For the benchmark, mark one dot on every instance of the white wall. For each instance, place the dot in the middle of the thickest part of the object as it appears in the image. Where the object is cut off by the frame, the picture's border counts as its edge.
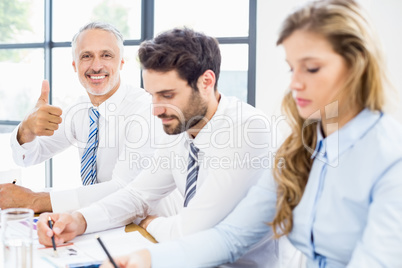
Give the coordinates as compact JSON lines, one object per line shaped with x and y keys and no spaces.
{"x":272,"y":71}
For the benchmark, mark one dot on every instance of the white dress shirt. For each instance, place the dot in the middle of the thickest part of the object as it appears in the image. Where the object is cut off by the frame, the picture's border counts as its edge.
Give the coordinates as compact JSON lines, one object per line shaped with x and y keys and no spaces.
{"x":127,"y":130}
{"x":234,"y":154}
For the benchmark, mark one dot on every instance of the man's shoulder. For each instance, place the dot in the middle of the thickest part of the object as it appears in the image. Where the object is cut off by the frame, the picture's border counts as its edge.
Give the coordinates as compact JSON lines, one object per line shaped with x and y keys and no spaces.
{"x":135,"y":94}
{"x":135,"y":98}
{"x":240,"y":111}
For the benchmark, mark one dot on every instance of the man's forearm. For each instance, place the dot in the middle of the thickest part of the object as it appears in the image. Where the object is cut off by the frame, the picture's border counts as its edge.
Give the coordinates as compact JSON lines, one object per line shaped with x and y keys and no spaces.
{"x":15,"y":196}
{"x":41,"y":202}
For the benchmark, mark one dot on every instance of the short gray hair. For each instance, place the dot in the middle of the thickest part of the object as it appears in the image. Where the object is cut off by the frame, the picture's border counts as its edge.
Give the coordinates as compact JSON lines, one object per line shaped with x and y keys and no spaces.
{"x":100,"y":26}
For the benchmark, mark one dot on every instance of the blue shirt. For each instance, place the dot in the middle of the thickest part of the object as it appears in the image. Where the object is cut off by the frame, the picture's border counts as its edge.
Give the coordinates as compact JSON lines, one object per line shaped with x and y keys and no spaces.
{"x":350,"y":213}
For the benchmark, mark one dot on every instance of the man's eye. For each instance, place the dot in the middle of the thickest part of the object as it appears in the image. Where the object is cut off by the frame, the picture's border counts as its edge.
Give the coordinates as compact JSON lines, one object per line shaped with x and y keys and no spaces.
{"x":168,"y":96}
{"x":84,"y":56}
{"x":313,"y":70}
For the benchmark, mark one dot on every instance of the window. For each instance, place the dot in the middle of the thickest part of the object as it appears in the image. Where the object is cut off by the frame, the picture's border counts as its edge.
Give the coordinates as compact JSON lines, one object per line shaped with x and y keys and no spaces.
{"x":35,"y":43}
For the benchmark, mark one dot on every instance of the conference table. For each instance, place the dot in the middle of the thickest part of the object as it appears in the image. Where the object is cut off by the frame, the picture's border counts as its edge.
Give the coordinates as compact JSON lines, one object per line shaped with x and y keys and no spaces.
{"x":85,"y":250}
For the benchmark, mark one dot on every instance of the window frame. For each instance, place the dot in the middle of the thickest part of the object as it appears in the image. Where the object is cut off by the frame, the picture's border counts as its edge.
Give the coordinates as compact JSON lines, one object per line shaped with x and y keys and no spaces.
{"x":147,"y":32}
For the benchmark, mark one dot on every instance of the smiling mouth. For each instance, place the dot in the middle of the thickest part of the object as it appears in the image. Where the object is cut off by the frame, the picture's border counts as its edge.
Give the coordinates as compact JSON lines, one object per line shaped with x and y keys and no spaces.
{"x":96,"y":77}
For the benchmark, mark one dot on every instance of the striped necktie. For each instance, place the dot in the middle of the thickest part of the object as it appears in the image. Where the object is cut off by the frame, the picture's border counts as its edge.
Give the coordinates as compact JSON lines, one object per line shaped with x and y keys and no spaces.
{"x":192,"y":174}
{"x":88,"y":160}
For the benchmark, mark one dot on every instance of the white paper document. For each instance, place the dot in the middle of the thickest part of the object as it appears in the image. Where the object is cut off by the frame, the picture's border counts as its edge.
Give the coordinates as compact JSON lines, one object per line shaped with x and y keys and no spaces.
{"x":85,"y":251}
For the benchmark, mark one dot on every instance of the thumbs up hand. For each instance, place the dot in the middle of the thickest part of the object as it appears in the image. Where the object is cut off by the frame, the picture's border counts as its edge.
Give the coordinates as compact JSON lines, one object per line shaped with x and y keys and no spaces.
{"x":42,"y":121}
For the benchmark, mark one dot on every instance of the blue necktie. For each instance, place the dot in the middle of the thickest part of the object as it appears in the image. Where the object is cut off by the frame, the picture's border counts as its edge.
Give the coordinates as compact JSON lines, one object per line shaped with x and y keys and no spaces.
{"x":192,"y":175}
{"x":88,"y":160}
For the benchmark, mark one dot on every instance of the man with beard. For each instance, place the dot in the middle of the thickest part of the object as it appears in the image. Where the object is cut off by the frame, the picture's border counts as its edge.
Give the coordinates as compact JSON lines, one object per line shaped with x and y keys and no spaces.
{"x":220,"y":150}
{"x":120,"y":112}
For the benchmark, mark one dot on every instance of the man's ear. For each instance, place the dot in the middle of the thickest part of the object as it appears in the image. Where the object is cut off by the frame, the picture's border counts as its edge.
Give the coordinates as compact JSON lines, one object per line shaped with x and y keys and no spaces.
{"x":207,"y":81}
{"x":74,"y":67}
{"x":121,"y":63}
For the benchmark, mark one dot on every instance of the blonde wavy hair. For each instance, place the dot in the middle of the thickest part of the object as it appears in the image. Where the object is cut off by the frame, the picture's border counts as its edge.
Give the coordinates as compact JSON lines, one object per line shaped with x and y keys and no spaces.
{"x":346,"y":27}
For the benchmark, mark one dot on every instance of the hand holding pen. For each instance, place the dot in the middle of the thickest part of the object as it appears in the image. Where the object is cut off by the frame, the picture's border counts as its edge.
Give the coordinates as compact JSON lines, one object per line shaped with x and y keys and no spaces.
{"x":66,"y":226}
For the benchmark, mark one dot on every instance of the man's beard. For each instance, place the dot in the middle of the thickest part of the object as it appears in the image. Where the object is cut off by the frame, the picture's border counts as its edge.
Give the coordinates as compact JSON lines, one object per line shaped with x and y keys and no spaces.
{"x":194,"y":112}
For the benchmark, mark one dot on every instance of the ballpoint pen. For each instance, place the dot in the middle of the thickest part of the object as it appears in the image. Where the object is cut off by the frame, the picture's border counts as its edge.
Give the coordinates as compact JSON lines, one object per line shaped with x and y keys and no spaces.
{"x":53,"y":242}
{"x":107,"y":252}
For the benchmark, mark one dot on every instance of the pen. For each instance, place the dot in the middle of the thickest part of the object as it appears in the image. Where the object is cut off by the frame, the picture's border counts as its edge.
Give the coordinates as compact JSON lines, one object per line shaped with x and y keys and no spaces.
{"x":14,"y":181}
{"x":54,"y":244}
{"x":107,"y":252}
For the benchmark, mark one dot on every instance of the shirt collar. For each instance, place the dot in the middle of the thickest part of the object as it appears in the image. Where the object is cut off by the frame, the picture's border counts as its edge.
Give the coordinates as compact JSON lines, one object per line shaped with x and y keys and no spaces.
{"x":320,"y":148}
{"x":112,"y":105}
{"x":338,"y":142}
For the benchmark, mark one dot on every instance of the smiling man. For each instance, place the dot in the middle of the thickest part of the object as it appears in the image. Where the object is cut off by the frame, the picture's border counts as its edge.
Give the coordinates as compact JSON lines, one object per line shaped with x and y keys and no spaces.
{"x":98,"y":67}
{"x":220,"y":151}
{"x":108,"y":125}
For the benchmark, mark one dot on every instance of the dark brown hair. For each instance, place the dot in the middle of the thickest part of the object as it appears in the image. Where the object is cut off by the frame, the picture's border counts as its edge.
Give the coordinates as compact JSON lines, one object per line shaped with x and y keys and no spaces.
{"x":188,"y":52}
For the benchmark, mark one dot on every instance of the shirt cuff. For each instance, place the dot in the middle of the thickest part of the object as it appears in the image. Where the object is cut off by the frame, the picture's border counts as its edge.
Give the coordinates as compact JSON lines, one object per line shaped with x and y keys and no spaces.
{"x":153,"y":225}
{"x":165,"y":228}
{"x":95,"y":217}
{"x":64,"y":201}
{"x":29,"y":145}
{"x":18,"y":150}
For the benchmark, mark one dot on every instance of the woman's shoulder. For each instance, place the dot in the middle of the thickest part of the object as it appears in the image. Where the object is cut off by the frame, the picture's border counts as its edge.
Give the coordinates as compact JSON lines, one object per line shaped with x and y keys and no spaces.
{"x":386,"y":138}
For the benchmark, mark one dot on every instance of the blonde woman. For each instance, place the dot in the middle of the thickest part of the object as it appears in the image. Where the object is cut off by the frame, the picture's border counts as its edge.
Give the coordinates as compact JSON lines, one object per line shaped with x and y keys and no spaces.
{"x":339,"y":185}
